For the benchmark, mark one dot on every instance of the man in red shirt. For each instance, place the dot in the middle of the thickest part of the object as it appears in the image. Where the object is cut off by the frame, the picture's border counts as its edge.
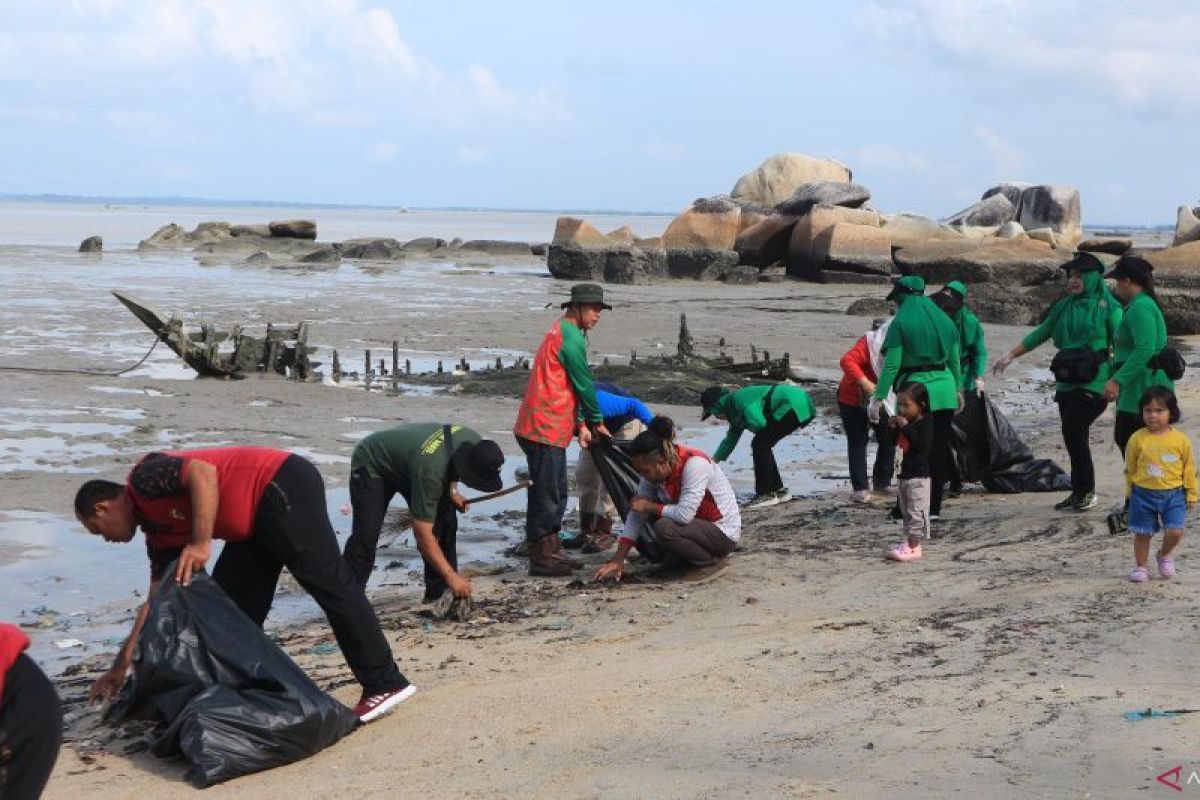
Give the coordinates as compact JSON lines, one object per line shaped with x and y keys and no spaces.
{"x":30,"y":719}
{"x":269,"y":507}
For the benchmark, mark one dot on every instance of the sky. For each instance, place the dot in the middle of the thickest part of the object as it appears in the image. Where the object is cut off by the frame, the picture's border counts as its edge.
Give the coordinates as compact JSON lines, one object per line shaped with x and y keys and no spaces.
{"x":625,"y":106}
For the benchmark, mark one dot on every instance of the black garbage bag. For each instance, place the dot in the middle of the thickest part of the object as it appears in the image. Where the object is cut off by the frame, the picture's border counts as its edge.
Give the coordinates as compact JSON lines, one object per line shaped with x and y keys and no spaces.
{"x":232,"y":702}
{"x":987,"y":450}
{"x":620,"y":479}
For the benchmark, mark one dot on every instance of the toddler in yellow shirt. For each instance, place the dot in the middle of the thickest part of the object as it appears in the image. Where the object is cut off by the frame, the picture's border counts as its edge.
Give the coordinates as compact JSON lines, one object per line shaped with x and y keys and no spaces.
{"x":1160,"y":481}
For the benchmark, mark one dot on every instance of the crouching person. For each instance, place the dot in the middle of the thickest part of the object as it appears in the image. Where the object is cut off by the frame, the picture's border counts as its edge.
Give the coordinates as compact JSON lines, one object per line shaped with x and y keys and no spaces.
{"x":269,"y":508}
{"x":685,"y":513}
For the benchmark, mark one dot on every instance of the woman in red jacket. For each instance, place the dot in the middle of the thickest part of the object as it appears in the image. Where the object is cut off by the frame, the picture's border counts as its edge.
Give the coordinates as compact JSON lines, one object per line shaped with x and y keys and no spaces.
{"x":30,"y":719}
{"x":859,"y":373}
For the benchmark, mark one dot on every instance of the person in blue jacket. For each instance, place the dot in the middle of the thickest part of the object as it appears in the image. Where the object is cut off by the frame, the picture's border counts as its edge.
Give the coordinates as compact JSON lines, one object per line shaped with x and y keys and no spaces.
{"x":625,"y":417}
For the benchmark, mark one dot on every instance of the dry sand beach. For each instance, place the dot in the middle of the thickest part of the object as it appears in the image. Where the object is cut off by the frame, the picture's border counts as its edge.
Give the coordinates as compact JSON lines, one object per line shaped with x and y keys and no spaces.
{"x":998,"y":666}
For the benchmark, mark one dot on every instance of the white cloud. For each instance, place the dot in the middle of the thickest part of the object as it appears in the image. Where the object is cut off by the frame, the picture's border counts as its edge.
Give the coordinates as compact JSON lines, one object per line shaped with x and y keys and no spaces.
{"x":472,"y":154}
{"x":302,"y":59}
{"x":1007,"y":160}
{"x":1140,"y":56}
{"x":888,"y":157}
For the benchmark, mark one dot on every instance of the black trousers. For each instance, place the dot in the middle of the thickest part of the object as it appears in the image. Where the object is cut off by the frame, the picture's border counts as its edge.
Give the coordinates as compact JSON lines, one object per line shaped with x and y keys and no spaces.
{"x":546,"y":499}
{"x":766,"y":471}
{"x":369,"y":499}
{"x":1077,"y":410}
{"x":939,"y":465}
{"x":1127,"y":424}
{"x":31,"y":723}
{"x":858,"y":429}
{"x":292,"y":530}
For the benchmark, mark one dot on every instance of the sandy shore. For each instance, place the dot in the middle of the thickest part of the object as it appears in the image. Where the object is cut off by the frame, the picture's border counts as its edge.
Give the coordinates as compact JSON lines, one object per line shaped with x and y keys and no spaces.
{"x":1000,"y":665}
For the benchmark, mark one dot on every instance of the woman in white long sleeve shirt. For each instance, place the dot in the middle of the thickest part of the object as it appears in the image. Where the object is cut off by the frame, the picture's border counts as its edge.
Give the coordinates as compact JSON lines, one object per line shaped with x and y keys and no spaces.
{"x":685,"y":511}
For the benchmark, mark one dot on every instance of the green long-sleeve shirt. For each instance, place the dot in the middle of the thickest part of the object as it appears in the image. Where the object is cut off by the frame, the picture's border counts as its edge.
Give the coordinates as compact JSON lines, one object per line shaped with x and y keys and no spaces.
{"x":744,"y":411}
{"x":922,"y":334}
{"x":1141,"y":334}
{"x":1089,"y":320}
{"x":971,"y":347}
{"x":573,"y":356}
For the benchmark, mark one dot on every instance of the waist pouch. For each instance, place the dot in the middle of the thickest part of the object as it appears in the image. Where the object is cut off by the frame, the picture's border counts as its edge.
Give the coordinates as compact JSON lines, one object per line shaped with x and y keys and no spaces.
{"x":1170,"y":361}
{"x":1076,"y":365}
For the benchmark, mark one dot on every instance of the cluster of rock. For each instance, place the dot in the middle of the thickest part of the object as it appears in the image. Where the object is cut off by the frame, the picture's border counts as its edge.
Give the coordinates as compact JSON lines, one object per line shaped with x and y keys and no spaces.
{"x":805,"y":217}
{"x":295,"y":241}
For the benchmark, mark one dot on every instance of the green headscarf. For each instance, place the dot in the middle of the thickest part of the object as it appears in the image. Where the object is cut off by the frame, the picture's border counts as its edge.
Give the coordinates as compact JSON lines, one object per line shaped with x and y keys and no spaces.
{"x":1082,"y":315}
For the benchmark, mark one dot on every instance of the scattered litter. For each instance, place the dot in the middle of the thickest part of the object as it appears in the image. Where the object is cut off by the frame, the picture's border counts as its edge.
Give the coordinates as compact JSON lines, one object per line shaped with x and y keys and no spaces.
{"x":67,"y":644}
{"x":1134,"y":716}
{"x":324,"y":649}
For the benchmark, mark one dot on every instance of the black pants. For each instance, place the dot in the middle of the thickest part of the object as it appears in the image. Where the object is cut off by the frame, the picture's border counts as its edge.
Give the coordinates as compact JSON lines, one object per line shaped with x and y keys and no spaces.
{"x":939,"y":465}
{"x":546,"y":499}
{"x":292,"y":530}
{"x":30,"y":731}
{"x":369,"y":499}
{"x":1127,"y":424}
{"x":766,"y":471}
{"x":1078,"y":409}
{"x":858,"y":429}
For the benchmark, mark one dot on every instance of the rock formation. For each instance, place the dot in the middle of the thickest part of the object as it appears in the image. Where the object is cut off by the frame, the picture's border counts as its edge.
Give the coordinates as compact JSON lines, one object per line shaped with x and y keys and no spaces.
{"x":777,"y":178}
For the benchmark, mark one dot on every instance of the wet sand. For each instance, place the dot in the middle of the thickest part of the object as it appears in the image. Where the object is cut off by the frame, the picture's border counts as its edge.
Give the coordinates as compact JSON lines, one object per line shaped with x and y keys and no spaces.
{"x":999,"y":665}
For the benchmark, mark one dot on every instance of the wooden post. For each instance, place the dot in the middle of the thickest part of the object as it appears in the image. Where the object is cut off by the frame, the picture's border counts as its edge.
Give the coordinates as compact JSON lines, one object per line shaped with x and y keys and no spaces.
{"x":337,"y":368}
{"x":753,"y":354}
{"x":382,"y":369}
{"x":440,"y":370}
{"x":408,"y":366}
{"x":367,"y":367}
{"x":395,"y":358}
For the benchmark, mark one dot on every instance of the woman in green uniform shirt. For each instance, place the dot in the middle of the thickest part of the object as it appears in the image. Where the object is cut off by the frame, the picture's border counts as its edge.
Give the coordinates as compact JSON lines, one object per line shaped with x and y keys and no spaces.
{"x":1084,"y":321}
{"x":771,"y":412}
{"x":1140,"y":337}
{"x":922,"y":346}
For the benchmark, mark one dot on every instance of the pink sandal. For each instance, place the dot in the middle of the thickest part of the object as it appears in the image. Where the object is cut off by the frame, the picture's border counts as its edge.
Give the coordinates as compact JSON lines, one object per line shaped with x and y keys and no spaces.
{"x":1166,"y":567}
{"x":902,"y":552}
{"x":1139,"y":575}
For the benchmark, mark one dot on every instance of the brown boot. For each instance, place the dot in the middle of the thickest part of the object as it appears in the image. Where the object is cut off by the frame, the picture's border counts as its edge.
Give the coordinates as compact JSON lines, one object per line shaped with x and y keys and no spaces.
{"x":557,"y":552}
{"x":587,"y":523}
{"x":602,"y":537}
{"x":542,"y":561}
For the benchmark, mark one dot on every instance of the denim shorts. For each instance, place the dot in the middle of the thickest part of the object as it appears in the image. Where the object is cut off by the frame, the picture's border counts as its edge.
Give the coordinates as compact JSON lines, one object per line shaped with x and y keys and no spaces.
{"x":1150,"y":509}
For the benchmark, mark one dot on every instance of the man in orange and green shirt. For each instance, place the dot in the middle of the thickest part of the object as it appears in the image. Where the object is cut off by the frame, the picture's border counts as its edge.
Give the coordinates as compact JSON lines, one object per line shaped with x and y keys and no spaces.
{"x":559,"y":402}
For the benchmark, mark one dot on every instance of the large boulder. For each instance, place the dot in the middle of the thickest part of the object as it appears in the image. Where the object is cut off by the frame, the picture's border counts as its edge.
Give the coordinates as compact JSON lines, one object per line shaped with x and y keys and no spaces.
{"x":498,"y":247}
{"x":1187,"y":226}
{"x":207,"y":232}
{"x":1177,"y":267}
{"x":169,"y":235}
{"x":1012,"y":191}
{"x":372,"y":249}
{"x":92,"y":244}
{"x":1181,"y":312}
{"x":622,"y":235}
{"x":742,"y":275}
{"x":326,"y":255}
{"x":1113,"y":245}
{"x":766,"y":241}
{"x":634,"y":265}
{"x":1010,"y":230}
{"x":829,"y":193}
{"x":700,"y":264}
{"x":1008,"y":262}
{"x":250,"y":230}
{"x":993,"y":210}
{"x":572,"y":230}
{"x":294,"y":229}
{"x":698,"y":228}
{"x":423,"y":244}
{"x":803,"y":261}
{"x":777,"y":178}
{"x":1054,"y":207}
{"x":847,"y":247}
{"x":576,"y":263}
{"x":906,"y":228}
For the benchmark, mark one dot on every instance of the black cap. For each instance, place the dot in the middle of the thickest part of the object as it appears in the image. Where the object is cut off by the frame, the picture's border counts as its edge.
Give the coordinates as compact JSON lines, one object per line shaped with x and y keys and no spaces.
{"x":1084,"y":262}
{"x":478,"y":465}
{"x":709,"y":398}
{"x":584,"y":293}
{"x":1136,"y":268}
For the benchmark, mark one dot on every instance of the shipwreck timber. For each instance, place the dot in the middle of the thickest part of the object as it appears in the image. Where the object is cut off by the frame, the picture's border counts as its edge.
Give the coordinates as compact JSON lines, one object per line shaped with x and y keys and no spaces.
{"x":283,"y":350}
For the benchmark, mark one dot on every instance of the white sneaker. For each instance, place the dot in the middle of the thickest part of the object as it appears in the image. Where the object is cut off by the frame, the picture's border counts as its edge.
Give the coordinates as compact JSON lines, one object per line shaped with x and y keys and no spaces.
{"x":861,"y":496}
{"x":766,"y":500}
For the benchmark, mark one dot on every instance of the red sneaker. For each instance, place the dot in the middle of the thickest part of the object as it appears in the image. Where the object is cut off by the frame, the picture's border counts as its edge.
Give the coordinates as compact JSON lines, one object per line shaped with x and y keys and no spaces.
{"x":377,"y":705}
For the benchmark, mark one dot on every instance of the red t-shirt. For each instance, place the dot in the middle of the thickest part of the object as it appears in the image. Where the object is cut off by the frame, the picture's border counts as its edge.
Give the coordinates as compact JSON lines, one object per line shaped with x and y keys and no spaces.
{"x":13,"y":642}
{"x":162,"y":506}
{"x":855,"y":364}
